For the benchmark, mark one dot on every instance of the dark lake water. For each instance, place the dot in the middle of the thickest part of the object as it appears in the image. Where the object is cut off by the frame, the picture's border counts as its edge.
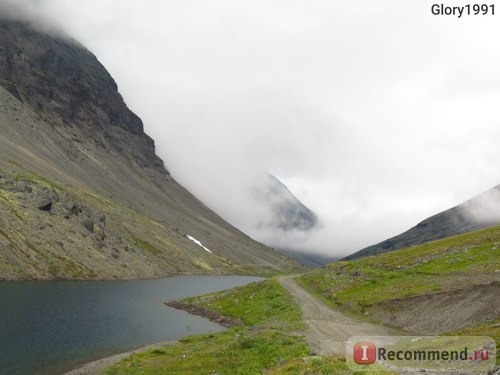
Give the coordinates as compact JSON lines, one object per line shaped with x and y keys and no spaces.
{"x":49,"y":327}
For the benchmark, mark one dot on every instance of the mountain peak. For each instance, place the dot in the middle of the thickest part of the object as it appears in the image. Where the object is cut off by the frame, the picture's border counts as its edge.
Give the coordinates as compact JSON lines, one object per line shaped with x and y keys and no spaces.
{"x":288,"y":213}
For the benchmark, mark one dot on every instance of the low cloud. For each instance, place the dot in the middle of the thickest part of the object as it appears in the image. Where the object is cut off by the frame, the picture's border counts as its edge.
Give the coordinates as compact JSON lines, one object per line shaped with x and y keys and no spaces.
{"x":33,"y":12}
{"x":484,"y":208}
{"x":374,"y":114}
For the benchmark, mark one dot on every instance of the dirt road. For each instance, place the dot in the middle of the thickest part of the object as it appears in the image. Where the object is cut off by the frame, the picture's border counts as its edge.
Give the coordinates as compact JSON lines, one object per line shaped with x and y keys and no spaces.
{"x":328,"y":330}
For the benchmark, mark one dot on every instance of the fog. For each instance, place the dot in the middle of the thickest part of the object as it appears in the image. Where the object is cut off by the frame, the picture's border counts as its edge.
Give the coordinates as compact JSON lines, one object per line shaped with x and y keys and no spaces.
{"x":484,"y":208}
{"x":374,"y":114}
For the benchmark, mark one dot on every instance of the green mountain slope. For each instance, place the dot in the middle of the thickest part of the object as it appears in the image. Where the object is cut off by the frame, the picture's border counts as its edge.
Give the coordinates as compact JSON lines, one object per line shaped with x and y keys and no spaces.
{"x":478,"y":212}
{"x":441,"y":286}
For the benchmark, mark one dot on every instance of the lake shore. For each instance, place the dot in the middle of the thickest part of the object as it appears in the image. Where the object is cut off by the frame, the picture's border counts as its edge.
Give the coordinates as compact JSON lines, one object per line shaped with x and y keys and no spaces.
{"x":213,"y":316}
{"x":84,"y":321}
{"x":98,"y":366}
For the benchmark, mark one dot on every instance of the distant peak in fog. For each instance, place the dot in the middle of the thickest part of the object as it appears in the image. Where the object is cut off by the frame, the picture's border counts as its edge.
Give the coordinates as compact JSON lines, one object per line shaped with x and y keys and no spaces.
{"x":288,"y":213}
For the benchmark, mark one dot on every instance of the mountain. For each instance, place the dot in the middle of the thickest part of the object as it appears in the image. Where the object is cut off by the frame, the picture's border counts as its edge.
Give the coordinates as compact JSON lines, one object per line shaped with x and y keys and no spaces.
{"x":288,"y":221}
{"x":82,"y":192}
{"x":479,"y":212}
{"x":308,"y":259}
{"x":288,"y":213}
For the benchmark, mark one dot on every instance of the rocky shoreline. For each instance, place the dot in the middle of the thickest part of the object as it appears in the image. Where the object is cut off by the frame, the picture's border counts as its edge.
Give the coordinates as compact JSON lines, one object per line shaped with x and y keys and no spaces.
{"x":213,"y":316}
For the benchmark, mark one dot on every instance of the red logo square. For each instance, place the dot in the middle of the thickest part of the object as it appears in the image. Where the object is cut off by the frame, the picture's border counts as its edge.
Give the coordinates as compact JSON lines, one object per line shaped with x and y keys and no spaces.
{"x":365,"y":353}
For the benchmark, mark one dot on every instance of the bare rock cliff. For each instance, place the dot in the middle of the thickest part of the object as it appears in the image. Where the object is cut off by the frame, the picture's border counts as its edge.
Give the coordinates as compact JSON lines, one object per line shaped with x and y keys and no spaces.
{"x":67,"y":85}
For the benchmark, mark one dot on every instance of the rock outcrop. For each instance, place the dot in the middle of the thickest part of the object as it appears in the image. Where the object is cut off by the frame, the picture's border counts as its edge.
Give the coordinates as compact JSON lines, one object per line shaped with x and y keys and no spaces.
{"x":66,"y":85}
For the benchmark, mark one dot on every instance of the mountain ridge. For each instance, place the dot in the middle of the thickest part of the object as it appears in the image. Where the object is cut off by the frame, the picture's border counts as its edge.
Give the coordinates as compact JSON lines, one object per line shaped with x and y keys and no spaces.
{"x":476,"y":213}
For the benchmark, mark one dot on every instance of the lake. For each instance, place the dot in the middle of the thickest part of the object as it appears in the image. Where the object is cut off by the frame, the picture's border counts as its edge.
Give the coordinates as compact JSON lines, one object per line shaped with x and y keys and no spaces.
{"x":49,"y":327}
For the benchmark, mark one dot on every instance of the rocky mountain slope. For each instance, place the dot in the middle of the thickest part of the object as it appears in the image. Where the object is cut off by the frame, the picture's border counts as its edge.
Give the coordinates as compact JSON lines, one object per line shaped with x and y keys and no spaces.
{"x":288,"y":219}
{"x":288,"y":212}
{"x":82,"y":193}
{"x":479,"y":212}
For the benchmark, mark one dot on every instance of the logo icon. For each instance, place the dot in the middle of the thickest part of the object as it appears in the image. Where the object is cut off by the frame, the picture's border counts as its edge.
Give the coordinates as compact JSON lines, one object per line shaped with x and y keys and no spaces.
{"x":365,"y":353}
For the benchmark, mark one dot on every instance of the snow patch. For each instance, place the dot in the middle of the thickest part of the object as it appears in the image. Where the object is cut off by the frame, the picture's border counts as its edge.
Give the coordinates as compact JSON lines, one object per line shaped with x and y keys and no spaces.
{"x":197,"y":242}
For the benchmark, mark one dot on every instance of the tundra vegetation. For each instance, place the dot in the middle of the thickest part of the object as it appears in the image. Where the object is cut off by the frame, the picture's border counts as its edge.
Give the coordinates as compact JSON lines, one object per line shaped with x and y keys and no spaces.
{"x":268,"y":339}
{"x":450,"y":286}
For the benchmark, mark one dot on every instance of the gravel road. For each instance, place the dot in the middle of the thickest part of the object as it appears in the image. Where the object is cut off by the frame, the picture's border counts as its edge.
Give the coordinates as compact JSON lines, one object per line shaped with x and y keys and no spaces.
{"x":328,"y":330}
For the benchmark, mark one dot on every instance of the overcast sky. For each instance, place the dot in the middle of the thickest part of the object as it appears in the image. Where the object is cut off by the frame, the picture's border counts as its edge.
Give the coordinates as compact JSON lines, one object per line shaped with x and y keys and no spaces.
{"x":376,"y":114}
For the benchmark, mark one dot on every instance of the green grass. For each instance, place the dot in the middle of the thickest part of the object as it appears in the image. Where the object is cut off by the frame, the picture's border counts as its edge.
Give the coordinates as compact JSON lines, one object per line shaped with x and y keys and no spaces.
{"x":254,"y":304}
{"x":267,"y":342}
{"x":490,"y":329}
{"x":265,"y":338}
{"x":320,"y":365}
{"x":236,"y":351}
{"x":328,"y":365}
{"x":355,"y":285}
{"x":13,"y":204}
{"x":144,"y":245}
{"x":38,"y":179}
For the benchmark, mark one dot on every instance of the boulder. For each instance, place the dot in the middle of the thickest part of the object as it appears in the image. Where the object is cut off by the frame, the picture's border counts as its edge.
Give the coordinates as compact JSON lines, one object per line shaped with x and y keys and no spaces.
{"x":45,"y":204}
{"x":88,"y":224}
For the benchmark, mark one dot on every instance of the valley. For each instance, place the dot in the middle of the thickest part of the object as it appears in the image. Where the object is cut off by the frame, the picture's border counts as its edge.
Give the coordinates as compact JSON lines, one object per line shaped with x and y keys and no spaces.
{"x":374,"y":296}
{"x":104,"y":251}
